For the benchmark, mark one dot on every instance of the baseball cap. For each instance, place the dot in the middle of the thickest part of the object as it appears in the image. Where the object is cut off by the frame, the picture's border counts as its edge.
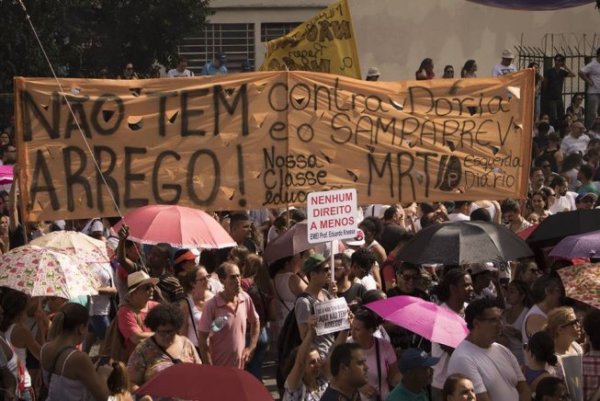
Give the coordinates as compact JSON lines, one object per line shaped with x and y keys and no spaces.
{"x":415,"y":358}
{"x":221,"y":56}
{"x":589,"y":196}
{"x":373,"y":72}
{"x":313,"y":262}
{"x":508,"y":54}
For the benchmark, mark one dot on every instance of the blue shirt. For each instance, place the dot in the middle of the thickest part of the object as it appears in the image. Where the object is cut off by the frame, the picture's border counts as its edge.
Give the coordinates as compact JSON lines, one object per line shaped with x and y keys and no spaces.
{"x":401,"y":393}
{"x":210,"y":69}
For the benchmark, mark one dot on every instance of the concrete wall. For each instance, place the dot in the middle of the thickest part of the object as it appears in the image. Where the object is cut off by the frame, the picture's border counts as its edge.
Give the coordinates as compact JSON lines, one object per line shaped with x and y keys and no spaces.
{"x":395,"y":35}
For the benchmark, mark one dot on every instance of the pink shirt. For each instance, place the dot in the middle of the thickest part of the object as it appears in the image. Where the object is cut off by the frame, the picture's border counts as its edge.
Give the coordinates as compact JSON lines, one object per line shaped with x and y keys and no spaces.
{"x":128,"y":323}
{"x":227,"y":345}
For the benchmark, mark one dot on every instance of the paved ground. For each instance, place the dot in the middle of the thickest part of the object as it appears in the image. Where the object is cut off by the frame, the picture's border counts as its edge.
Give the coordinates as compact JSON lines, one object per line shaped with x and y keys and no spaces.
{"x":269,"y":368}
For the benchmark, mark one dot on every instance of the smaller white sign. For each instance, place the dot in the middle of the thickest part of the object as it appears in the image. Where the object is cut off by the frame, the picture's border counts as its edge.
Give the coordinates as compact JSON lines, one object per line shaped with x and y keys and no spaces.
{"x":332,"y":215}
{"x":332,"y":316}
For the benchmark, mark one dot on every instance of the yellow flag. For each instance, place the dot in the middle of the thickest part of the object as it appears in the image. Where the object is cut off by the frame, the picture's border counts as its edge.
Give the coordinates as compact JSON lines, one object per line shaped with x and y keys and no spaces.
{"x":325,"y":43}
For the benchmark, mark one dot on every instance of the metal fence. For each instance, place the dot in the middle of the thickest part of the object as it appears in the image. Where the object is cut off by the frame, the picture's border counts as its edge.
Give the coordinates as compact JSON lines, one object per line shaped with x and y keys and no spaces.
{"x":578,"y":49}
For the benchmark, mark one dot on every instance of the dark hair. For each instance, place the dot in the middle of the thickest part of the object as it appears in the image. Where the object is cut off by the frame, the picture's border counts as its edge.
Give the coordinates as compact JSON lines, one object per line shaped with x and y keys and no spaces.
{"x":591,"y":325}
{"x":481,"y":214}
{"x":530,"y":65}
{"x":534,"y":169}
{"x":571,"y":161}
{"x":188,"y":280}
{"x":177,"y":266}
{"x":476,"y":308}
{"x":548,"y":386}
{"x":390,"y":212}
{"x":240,"y":254}
{"x":278,"y":265}
{"x":451,"y":278}
{"x":368,"y":318}
{"x":297,"y":215}
{"x":341,"y":355}
{"x":543,"y":194}
{"x":426,"y":208}
{"x":372,"y":296}
{"x":364,"y":258}
{"x":372,"y":224}
{"x":557,"y":181}
{"x":448,"y":66}
{"x":461,"y":203}
{"x":425,"y":63}
{"x":163,"y":314}
{"x":510,"y":205}
{"x":290,"y":360}
{"x":541,"y":346}
{"x":13,"y":303}
{"x":559,"y":56}
{"x":450,"y":384}
{"x":467,"y":67}
{"x":70,"y":316}
{"x":523,"y":289}
{"x":252,"y":266}
{"x":587,"y":171}
{"x":221,"y":272}
{"x":543,"y":127}
{"x":394,"y":234}
{"x":541,"y":285}
{"x":346,"y":261}
{"x":237,"y":218}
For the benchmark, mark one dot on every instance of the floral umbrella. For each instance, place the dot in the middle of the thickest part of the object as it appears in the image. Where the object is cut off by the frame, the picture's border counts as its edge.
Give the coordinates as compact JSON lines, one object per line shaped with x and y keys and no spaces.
{"x":582,"y":282}
{"x":40,"y":272}
{"x":82,"y":246}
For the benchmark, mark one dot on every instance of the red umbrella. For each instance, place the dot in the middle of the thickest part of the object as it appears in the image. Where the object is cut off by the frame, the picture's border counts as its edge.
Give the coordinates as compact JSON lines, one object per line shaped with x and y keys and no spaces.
{"x":427,"y":319}
{"x":204,"y":382}
{"x":182,"y":227}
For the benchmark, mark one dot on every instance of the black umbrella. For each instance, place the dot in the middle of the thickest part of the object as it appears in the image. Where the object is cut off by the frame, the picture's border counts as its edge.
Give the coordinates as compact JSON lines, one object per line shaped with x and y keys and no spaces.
{"x":560,"y":225}
{"x":464,"y":242}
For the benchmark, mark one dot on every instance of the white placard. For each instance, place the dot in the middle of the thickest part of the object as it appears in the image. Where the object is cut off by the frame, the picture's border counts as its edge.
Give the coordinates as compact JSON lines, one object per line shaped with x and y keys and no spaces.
{"x":332,"y":215}
{"x":332,"y":316}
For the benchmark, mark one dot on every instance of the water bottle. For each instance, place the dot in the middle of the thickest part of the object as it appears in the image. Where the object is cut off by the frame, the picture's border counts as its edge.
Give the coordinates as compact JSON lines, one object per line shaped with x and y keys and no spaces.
{"x":218,"y":324}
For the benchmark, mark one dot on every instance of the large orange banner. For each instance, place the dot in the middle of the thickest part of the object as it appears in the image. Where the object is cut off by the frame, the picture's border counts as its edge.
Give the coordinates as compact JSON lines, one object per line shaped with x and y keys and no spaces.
{"x":267,"y":139}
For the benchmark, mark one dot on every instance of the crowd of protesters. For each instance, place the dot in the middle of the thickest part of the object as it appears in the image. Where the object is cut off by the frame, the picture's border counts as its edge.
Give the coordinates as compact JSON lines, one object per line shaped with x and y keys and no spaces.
{"x":227,"y":307}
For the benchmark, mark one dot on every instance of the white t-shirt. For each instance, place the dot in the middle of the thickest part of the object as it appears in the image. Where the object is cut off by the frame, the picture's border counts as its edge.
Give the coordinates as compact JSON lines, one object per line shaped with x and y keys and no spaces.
{"x":369,"y":282}
{"x":174,"y":73}
{"x":440,"y":369}
{"x":563,"y":203}
{"x":570,"y":144}
{"x":593,"y":71}
{"x":500,"y":69}
{"x":492,"y":370}
{"x":458,"y":217}
{"x":103,"y":273}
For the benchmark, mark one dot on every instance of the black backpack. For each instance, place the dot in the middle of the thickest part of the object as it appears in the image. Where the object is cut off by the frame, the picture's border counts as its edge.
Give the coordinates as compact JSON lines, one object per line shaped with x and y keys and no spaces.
{"x":288,"y":339}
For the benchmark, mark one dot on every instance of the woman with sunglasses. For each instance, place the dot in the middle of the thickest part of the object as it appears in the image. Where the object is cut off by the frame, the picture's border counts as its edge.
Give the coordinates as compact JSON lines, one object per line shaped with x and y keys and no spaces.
{"x":565,"y":329}
{"x":195,"y":287}
{"x":164,"y":348}
{"x":540,"y":359}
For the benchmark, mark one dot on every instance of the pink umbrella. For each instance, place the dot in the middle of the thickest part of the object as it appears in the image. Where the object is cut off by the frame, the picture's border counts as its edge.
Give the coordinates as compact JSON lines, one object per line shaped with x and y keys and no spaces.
{"x":6,"y":174}
{"x":427,"y":319}
{"x":182,"y":227}
{"x":204,"y":382}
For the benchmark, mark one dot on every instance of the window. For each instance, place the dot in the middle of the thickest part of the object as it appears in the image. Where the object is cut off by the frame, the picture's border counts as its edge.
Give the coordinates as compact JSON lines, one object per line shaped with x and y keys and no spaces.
{"x":273,"y":30}
{"x":235,"y":40}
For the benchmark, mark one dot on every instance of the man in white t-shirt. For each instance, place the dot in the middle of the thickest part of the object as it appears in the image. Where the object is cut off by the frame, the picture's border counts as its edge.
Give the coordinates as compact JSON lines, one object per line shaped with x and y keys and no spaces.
{"x":492,"y":368}
{"x":590,"y":73}
{"x":461,"y":212}
{"x":565,"y":201}
{"x":181,"y":71}
{"x":506,"y":66}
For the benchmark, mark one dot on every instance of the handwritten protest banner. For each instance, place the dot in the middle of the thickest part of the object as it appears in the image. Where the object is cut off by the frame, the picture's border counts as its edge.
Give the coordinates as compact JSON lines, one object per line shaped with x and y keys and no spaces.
{"x":325,"y":43}
{"x":332,"y":316}
{"x":267,"y":139}
{"x":332,"y":215}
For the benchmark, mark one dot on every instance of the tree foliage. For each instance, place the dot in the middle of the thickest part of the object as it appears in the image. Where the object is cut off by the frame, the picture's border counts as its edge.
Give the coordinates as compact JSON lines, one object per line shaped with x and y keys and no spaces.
{"x":82,"y":36}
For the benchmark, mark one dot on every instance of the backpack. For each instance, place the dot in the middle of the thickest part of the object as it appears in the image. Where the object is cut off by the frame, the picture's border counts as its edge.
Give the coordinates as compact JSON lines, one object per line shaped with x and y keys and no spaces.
{"x":288,"y":339}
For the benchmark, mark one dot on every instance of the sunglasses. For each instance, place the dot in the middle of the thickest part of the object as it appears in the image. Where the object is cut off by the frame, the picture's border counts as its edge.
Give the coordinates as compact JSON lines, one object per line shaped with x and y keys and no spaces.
{"x":574,"y":322}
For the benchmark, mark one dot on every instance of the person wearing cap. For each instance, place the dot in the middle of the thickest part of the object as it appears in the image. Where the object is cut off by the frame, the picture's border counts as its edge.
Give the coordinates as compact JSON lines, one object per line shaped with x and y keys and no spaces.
{"x":494,"y":370}
{"x":505,"y":66}
{"x":184,"y":261}
{"x":169,"y":288}
{"x":181,"y":71}
{"x":552,"y":89}
{"x":318,"y":272}
{"x":217,"y":66}
{"x":226,"y":317}
{"x":482,"y":275}
{"x":372,"y":74}
{"x":415,"y":366}
{"x":586,"y":201}
{"x":133,"y":312}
